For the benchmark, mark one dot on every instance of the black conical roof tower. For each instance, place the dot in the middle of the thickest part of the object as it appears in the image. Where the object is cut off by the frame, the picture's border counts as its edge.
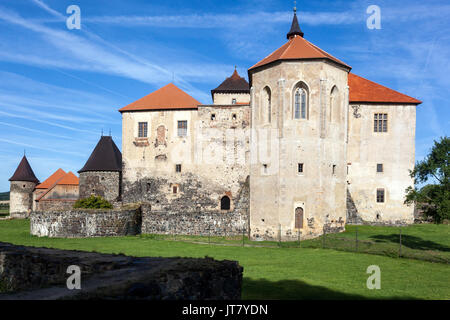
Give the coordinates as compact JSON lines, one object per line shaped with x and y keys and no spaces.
{"x":24,"y":172}
{"x":105,"y":157}
{"x":295,"y":27}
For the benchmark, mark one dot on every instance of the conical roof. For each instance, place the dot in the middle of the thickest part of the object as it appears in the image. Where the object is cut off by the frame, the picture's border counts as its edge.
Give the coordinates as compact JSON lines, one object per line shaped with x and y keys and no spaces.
{"x":105,"y":157}
{"x":233,"y":84}
{"x":295,"y":28}
{"x":24,"y":172}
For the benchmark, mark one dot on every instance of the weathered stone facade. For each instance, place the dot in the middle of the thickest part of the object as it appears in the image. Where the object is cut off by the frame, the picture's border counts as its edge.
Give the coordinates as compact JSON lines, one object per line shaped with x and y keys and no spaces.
{"x":78,"y":223}
{"x":38,"y":273}
{"x":106,"y":184}
{"x":21,"y":198}
{"x":54,"y":205}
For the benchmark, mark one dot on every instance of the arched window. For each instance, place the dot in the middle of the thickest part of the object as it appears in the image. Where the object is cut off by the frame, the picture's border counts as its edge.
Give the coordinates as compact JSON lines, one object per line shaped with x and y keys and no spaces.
{"x":334,"y":105}
{"x":301,"y":101}
{"x":298,"y":218}
{"x":267,"y":105}
{"x":225,"y":203}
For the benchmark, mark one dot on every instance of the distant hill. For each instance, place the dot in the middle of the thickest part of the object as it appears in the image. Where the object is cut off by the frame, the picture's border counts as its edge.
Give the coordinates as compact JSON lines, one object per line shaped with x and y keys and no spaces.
{"x":4,"y":196}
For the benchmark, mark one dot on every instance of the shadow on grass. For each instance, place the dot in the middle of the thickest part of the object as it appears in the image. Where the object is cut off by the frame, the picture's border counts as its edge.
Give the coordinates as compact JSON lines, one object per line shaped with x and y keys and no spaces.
{"x":262,"y":289}
{"x":411,"y":242}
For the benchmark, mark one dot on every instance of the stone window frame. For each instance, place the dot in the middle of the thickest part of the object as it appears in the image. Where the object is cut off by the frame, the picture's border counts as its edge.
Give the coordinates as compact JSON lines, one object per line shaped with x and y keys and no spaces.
{"x":229,"y":202}
{"x":233,"y":101}
{"x":380,"y":168}
{"x":178,"y":168}
{"x":380,"y":122}
{"x":334,"y":107}
{"x":300,"y":168}
{"x":266,"y":105}
{"x":301,"y":86}
{"x":381,"y":195}
{"x":142,"y":129}
{"x":182,"y":128}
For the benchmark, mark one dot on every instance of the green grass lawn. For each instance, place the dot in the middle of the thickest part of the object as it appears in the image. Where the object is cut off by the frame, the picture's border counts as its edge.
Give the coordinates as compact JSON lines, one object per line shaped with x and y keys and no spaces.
{"x":4,"y":212}
{"x":278,"y":273}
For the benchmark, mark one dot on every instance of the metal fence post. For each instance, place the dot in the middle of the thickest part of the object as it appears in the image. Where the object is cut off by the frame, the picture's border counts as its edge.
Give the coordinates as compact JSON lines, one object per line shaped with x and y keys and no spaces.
{"x":356,"y":238}
{"x":400,"y":243}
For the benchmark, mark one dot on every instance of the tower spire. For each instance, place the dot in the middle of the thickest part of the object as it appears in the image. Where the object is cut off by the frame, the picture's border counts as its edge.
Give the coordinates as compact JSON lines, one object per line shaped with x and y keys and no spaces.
{"x":295,"y":27}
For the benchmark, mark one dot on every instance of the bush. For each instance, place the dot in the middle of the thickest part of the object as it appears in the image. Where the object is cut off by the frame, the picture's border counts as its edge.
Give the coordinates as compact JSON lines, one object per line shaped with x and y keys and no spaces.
{"x":93,"y":202}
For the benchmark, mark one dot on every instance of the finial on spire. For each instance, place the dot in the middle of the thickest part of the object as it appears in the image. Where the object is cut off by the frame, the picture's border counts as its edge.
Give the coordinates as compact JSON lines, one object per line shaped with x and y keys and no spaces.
{"x":295,"y":28}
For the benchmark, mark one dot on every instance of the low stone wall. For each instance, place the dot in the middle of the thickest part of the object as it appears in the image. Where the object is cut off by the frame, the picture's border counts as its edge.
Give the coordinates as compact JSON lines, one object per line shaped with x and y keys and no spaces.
{"x":191,"y":223}
{"x":55,"y":204}
{"x":78,"y":223}
{"x":38,"y":273}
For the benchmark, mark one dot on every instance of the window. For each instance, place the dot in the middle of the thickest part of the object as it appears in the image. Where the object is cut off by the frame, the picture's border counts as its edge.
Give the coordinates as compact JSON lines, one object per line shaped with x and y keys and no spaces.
{"x":334,"y":169}
{"x":161,"y":135}
{"x":380,"y":122}
{"x":234,"y":116}
{"x":298,"y":218}
{"x":265,"y":168}
{"x":225,"y":203}
{"x":233,"y":101}
{"x":174,"y":189}
{"x":182,"y":128}
{"x":267,"y":105}
{"x":379,"y":167}
{"x":334,"y":105}
{"x":380,"y":195}
{"x":142,"y":129}
{"x":213,"y":116}
{"x":301,"y":102}
{"x":178,"y":168}
{"x":300,"y":168}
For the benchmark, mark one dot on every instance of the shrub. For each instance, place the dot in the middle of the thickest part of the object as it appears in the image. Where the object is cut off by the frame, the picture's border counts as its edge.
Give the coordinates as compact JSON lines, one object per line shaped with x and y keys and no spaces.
{"x":93,"y":202}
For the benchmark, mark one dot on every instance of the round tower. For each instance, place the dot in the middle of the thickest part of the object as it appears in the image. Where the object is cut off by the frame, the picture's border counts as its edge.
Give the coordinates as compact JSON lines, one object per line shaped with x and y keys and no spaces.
{"x":22,"y":186}
{"x":102,"y":173}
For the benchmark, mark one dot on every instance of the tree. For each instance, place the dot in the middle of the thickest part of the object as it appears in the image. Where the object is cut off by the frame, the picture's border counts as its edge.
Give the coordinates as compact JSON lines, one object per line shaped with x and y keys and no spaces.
{"x":433,"y":199}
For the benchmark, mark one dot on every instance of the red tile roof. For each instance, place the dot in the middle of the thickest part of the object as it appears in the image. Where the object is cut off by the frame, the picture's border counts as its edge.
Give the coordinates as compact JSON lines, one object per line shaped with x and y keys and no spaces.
{"x":168,"y":97}
{"x":363,"y":90}
{"x":58,"y":174}
{"x":297,"y":48}
{"x":69,"y":179}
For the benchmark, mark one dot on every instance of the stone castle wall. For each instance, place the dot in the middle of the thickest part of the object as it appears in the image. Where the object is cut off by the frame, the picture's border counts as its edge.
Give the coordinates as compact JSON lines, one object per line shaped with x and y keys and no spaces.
{"x":55,"y":204}
{"x":39,"y":273}
{"x":79,"y":223}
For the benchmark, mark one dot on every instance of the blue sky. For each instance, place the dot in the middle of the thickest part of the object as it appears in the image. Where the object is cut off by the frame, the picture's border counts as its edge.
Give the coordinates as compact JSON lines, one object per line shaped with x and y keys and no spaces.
{"x":59,"y":88}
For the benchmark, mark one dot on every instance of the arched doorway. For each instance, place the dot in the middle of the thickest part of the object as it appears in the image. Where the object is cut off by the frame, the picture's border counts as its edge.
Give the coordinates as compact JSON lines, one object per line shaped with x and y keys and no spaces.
{"x":225,"y":203}
{"x":298,"y":218}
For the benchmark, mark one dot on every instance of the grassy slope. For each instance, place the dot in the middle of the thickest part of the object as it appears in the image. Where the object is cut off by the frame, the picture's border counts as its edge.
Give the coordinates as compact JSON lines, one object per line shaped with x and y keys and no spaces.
{"x":276,"y":273}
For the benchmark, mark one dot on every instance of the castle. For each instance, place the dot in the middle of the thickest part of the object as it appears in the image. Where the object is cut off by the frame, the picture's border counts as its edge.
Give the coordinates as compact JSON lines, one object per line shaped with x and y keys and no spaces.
{"x":304,"y":146}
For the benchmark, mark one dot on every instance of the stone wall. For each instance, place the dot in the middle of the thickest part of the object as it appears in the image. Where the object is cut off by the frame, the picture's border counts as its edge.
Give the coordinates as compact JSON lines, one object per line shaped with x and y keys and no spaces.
{"x":193,"y":223}
{"x":54,"y":204}
{"x":85,"y":223}
{"x":106,"y":184}
{"x":39,"y":273}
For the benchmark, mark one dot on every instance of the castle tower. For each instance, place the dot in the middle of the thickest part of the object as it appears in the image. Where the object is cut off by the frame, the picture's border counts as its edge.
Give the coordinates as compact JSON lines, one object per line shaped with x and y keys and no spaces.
{"x":102,"y":173}
{"x":23,"y":183}
{"x":299,"y":105}
{"x":234,"y":90}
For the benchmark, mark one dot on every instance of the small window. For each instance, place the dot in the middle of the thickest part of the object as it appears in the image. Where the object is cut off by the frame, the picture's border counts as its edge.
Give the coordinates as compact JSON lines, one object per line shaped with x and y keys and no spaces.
{"x":174,"y":189}
{"x":300,"y":168}
{"x":234,"y":117}
{"x":233,"y":101}
{"x":380,"y":195}
{"x":379,"y":167}
{"x":178,"y":168}
{"x":334,"y":169}
{"x":142,"y":129}
{"x":225,"y":203}
{"x":380,"y":122}
{"x":265,"y":168}
{"x":213,"y":116}
{"x":182,"y":128}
